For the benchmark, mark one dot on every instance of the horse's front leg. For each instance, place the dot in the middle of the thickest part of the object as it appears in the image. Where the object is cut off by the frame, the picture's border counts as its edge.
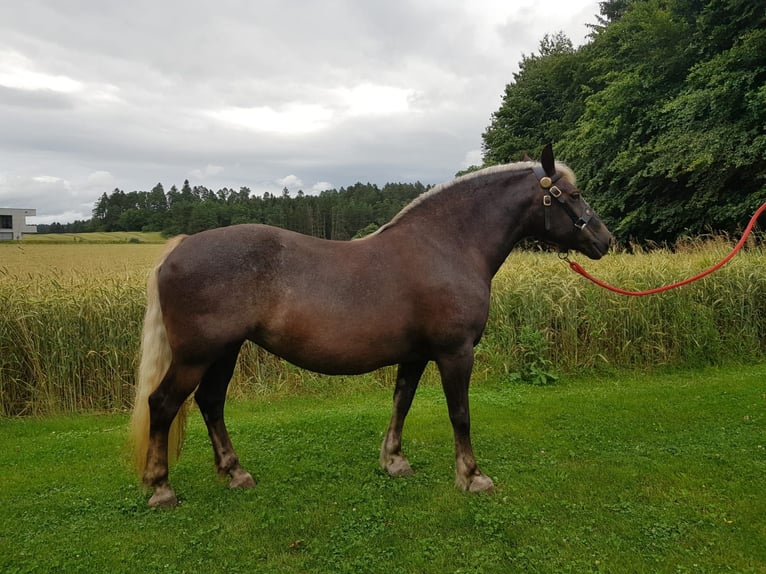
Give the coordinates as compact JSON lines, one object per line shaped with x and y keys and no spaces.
{"x":391,"y":457}
{"x":455,"y":372}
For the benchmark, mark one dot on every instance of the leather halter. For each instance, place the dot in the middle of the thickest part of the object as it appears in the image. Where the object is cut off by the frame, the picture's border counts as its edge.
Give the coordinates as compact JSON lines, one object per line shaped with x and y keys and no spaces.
{"x":552,"y":192}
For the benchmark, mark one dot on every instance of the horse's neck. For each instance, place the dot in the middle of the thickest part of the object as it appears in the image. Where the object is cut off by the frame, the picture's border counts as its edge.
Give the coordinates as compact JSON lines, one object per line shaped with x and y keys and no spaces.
{"x":482,"y":224}
{"x":501,"y":228}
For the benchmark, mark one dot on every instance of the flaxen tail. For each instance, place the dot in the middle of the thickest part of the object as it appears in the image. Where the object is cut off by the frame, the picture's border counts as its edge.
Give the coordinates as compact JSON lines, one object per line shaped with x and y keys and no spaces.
{"x":155,"y":360}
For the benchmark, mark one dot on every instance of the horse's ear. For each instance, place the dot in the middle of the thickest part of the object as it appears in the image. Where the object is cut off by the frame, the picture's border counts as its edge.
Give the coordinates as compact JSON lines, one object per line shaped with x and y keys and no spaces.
{"x":549,"y":164}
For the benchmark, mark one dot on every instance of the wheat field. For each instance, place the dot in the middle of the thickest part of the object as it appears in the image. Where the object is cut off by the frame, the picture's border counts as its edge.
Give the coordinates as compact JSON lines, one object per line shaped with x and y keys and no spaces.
{"x":70,"y":320}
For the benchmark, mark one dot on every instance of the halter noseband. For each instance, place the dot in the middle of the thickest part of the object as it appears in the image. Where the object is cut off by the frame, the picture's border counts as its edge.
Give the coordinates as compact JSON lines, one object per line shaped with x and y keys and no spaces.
{"x":553,"y":192}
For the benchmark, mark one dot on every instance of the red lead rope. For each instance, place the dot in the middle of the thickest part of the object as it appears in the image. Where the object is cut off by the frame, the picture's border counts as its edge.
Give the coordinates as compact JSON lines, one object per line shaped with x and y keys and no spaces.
{"x":576,"y":267}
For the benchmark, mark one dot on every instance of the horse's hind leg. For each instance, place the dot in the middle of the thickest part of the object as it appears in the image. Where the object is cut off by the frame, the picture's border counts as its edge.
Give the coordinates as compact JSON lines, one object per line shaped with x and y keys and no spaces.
{"x":164,"y":404}
{"x":391,"y":457}
{"x":210,"y":397}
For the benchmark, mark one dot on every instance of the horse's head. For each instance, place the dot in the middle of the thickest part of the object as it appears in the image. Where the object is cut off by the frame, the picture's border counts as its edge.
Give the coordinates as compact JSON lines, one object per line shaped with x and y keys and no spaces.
{"x":569,"y":222}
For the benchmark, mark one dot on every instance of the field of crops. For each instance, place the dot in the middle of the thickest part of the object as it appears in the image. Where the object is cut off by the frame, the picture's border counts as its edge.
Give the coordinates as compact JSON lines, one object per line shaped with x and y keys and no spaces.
{"x":71,"y":321}
{"x":95,"y":237}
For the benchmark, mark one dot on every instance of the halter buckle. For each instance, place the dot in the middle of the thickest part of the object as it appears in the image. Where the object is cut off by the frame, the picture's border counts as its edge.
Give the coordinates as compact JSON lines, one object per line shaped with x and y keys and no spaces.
{"x":586,"y":216}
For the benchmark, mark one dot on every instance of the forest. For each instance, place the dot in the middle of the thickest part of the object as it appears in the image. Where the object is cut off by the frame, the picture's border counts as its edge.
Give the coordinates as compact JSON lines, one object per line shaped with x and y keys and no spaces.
{"x":661,"y":113}
{"x":333,"y":214}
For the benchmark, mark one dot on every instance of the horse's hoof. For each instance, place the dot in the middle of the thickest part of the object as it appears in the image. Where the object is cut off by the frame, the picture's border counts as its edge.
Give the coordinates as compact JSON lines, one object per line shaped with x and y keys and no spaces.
{"x":242,"y":480}
{"x":481,"y":483}
{"x":399,"y":467}
{"x":474,"y":482}
{"x":163,"y":497}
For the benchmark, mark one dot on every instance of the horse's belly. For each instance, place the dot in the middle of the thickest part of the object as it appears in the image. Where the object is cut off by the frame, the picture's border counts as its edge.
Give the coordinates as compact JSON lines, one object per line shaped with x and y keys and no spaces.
{"x":338,"y":351}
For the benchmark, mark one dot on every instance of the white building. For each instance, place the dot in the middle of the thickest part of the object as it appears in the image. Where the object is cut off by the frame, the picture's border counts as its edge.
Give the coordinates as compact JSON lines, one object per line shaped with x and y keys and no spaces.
{"x":13,"y":223}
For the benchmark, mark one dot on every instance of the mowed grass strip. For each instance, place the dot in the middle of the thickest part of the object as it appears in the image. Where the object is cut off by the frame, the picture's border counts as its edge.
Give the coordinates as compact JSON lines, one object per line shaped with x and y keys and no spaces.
{"x":635,"y":473}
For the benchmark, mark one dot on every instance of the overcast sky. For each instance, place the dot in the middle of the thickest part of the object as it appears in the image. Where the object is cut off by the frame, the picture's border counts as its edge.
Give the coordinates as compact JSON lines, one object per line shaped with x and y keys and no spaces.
{"x":265,"y":94}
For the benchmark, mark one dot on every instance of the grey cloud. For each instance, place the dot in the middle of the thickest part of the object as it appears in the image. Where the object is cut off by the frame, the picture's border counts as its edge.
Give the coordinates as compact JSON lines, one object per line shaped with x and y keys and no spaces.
{"x":34,"y":100}
{"x":149,"y":78}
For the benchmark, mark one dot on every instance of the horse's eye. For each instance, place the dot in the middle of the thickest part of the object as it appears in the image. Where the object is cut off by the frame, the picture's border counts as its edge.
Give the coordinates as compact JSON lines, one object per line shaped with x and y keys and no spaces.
{"x":576,"y":195}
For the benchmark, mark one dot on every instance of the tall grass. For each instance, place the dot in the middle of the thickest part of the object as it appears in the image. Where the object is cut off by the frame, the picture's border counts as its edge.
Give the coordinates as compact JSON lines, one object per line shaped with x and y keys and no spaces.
{"x":70,"y":317}
{"x":717,"y":320}
{"x":70,"y":321}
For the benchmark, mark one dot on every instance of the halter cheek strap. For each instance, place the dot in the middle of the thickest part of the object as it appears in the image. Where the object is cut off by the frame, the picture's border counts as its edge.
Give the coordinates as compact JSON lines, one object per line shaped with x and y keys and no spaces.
{"x":553,"y":192}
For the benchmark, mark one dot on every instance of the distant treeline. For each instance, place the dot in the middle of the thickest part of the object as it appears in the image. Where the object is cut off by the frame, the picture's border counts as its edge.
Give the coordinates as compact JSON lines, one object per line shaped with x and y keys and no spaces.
{"x":333,"y":214}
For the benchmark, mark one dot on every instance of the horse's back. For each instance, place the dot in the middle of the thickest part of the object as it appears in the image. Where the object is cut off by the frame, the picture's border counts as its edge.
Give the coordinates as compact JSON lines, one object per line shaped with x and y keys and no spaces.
{"x":330,"y":306}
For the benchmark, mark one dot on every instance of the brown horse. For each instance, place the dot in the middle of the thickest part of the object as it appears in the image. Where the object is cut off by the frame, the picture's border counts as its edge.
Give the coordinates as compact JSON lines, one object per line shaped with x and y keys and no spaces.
{"x":415,"y":291}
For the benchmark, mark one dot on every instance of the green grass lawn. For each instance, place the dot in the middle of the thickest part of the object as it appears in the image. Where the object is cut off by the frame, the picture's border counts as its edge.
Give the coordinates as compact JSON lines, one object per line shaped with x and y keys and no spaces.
{"x":649,"y":473}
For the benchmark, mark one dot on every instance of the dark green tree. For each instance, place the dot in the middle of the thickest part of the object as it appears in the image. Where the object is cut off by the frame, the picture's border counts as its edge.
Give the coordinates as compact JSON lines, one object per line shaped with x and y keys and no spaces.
{"x":664,"y":116}
{"x":157,"y":205}
{"x":539,"y":105}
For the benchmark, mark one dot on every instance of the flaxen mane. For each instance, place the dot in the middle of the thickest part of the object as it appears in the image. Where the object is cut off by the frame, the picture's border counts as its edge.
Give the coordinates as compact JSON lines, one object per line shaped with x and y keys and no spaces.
{"x":521,"y":166}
